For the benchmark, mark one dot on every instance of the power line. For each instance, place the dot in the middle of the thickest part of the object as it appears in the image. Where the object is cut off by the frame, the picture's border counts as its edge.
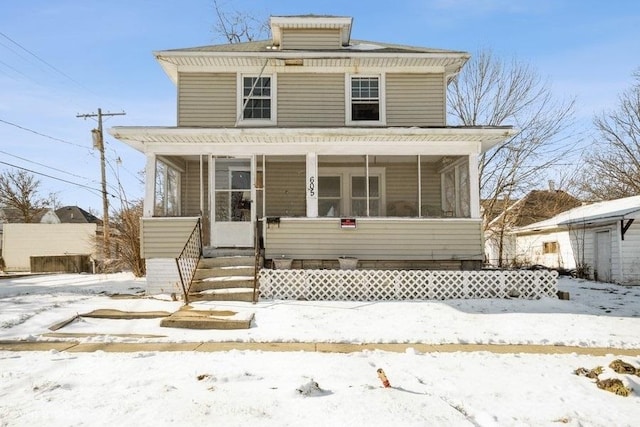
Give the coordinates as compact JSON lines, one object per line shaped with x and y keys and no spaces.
{"x":46,"y":166}
{"x":56,"y":178}
{"x":43,"y":135}
{"x":62,"y":73}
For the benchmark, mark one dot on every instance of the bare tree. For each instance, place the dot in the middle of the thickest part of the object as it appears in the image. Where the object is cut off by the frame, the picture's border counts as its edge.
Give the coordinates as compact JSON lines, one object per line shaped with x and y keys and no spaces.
{"x":237,"y":27}
{"x":19,"y":190}
{"x":612,"y":169}
{"x":126,"y":239}
{"x":493,"y":92}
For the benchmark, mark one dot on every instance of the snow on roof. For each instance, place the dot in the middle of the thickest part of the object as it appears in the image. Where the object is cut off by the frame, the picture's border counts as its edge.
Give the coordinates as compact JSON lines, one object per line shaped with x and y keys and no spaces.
{"x":596,"y":212}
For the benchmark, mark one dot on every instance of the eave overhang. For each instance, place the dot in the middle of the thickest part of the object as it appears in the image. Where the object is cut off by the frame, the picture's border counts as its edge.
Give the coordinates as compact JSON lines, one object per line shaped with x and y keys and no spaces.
{"x":173,"y":62}
{"x":341,"y":140}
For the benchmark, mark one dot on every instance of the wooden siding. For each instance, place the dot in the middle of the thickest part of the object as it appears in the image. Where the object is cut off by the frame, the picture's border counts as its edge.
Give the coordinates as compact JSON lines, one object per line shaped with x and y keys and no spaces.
{"x":415,"y":99}
{"x":164,"y":237}
{"x":207,"y":99}
{"x":313,"y":38}
{"x":376,"y":239}
{"x":310,"y":100}
{"x":285,"y":188}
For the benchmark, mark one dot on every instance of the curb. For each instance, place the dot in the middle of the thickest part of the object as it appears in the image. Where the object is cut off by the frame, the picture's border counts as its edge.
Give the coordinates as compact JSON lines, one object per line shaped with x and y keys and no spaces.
{"x":321,"y":347}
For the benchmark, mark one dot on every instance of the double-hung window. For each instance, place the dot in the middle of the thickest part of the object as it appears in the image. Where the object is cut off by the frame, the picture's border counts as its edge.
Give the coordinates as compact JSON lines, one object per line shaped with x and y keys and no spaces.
{"x":365,"y":96}
{"x":257,"y":101}
{"x":343,"y":192}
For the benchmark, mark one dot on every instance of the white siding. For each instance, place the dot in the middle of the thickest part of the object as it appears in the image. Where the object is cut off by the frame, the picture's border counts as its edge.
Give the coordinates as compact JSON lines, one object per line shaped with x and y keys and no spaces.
{"x":22,"y":241}
{"x":529,"y":250}
{"x":631,"y":254}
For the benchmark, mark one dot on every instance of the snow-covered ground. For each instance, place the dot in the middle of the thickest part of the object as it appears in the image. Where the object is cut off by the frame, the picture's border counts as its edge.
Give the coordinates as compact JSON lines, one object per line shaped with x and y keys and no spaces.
{"x":261,"y":388}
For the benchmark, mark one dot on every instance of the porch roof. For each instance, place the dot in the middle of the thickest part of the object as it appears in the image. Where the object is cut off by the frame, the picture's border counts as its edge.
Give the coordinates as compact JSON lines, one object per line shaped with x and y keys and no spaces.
{"x":413,"y":140}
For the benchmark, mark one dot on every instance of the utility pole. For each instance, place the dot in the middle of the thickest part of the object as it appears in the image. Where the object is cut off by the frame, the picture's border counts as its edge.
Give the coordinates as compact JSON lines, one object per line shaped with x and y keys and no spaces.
{"x":98,"y":142}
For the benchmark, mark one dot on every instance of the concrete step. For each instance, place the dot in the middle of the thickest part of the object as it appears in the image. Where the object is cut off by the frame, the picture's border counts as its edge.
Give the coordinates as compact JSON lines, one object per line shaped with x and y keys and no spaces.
{"x":222,"y":283}
{"x":189,"y":318}
{"x":236,"y":270}
{"x":226,"y":261}
{"x":231,"y":294}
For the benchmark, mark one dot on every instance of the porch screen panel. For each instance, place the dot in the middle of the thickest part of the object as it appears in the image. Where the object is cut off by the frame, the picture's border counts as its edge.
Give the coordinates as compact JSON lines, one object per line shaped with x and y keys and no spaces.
{"x":359,"y":196}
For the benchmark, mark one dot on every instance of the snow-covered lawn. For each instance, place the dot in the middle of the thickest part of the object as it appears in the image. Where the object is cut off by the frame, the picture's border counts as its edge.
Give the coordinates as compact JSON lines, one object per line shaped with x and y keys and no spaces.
{"x":260,"y":388}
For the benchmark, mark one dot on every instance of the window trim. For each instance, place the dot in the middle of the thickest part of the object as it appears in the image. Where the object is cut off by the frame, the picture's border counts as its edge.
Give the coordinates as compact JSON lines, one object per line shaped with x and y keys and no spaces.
{"x":346,"y":198}
{"x":551,"y":247}
{"x":382,"y":119}
{"x":240,"y":101}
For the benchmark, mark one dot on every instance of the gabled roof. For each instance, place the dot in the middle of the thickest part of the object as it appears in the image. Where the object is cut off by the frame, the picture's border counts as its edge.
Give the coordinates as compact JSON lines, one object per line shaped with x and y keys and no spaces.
{"x":76,"y":215}
{"x":14,"y":216}
{"x":600,"y":212}
{"x":536,"y":206}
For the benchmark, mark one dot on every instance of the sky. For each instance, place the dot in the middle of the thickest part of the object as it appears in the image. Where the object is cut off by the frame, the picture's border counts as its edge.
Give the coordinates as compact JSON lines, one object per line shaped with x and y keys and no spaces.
{"x":63,"y":58}
{"x":242,"y":387}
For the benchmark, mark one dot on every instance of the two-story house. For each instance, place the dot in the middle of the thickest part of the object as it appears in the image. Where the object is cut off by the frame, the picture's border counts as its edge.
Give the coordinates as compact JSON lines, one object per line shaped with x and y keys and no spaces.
{"x":323,"y":145}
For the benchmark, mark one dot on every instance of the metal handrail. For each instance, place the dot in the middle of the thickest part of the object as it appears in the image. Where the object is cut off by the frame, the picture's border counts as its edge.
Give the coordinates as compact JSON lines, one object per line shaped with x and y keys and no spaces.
{"x":188,"y":259}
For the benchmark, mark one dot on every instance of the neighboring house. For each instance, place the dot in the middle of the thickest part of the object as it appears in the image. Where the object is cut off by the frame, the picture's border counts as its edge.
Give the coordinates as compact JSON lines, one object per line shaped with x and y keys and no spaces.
{"x":322,"y":145}
{"x":602,"y":240}
{"x":536,"y":206}
{"x":66,"y":232}
{"x":76,"y":215}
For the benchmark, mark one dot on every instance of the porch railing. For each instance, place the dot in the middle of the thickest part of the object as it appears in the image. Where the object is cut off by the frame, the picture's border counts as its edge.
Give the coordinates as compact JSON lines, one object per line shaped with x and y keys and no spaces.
{"x":188,"y":259}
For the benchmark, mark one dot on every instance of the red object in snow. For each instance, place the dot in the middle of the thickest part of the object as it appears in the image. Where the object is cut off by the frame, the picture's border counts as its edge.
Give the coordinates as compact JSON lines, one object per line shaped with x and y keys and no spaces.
{"x":383,"y":378}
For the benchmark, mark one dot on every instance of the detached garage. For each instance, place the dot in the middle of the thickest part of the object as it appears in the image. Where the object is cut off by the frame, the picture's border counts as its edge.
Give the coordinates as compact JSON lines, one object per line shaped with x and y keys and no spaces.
{"x":601,"y":239}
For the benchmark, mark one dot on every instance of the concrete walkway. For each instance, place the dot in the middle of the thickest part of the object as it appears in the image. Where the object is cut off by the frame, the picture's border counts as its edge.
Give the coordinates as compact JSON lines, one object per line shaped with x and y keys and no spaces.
{"x":78,"y":347}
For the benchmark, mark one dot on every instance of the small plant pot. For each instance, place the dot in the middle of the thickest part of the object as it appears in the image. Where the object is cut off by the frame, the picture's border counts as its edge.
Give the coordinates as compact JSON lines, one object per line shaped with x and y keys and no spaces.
{"x":348,"y":263}
{"x":282,"y":263}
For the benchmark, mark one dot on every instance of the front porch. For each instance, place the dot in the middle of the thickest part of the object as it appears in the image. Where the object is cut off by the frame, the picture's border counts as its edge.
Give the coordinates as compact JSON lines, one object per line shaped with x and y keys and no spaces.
{"x":315,"y":208}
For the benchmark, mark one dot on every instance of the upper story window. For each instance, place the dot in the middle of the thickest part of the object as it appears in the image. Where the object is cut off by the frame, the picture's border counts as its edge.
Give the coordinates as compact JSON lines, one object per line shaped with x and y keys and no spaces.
{"x":257,"y":102}
{"x":365,"y":98}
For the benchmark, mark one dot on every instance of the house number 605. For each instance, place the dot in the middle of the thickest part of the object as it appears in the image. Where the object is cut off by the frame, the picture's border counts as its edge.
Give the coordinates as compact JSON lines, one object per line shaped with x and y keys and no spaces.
{"x":312,"y":186}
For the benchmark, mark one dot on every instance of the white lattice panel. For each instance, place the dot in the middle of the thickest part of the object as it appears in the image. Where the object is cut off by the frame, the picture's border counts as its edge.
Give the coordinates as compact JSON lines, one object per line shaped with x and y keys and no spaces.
{"x":379,"y":285}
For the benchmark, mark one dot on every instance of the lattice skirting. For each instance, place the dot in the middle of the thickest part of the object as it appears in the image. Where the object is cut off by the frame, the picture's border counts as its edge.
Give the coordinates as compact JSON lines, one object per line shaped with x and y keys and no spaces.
{"x":379,"y":285}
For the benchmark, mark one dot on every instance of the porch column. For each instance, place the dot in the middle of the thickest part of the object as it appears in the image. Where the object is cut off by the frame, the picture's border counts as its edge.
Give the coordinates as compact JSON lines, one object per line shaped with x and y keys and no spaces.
{"x":474,"y":186}
{"x":312,"y":185}
{"x":149,"y":186}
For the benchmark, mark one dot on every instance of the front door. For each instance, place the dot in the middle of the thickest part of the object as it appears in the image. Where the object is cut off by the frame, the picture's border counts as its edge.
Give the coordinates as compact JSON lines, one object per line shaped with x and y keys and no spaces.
{"x":233,"y":220}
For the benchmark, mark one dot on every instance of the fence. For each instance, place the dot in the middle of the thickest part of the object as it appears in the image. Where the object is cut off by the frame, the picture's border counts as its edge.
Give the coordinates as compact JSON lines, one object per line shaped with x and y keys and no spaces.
{"x":379,"y":285}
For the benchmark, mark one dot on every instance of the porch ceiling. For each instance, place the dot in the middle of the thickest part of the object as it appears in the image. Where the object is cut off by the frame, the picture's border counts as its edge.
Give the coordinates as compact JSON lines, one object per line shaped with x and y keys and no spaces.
{"x":342,"y":140}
